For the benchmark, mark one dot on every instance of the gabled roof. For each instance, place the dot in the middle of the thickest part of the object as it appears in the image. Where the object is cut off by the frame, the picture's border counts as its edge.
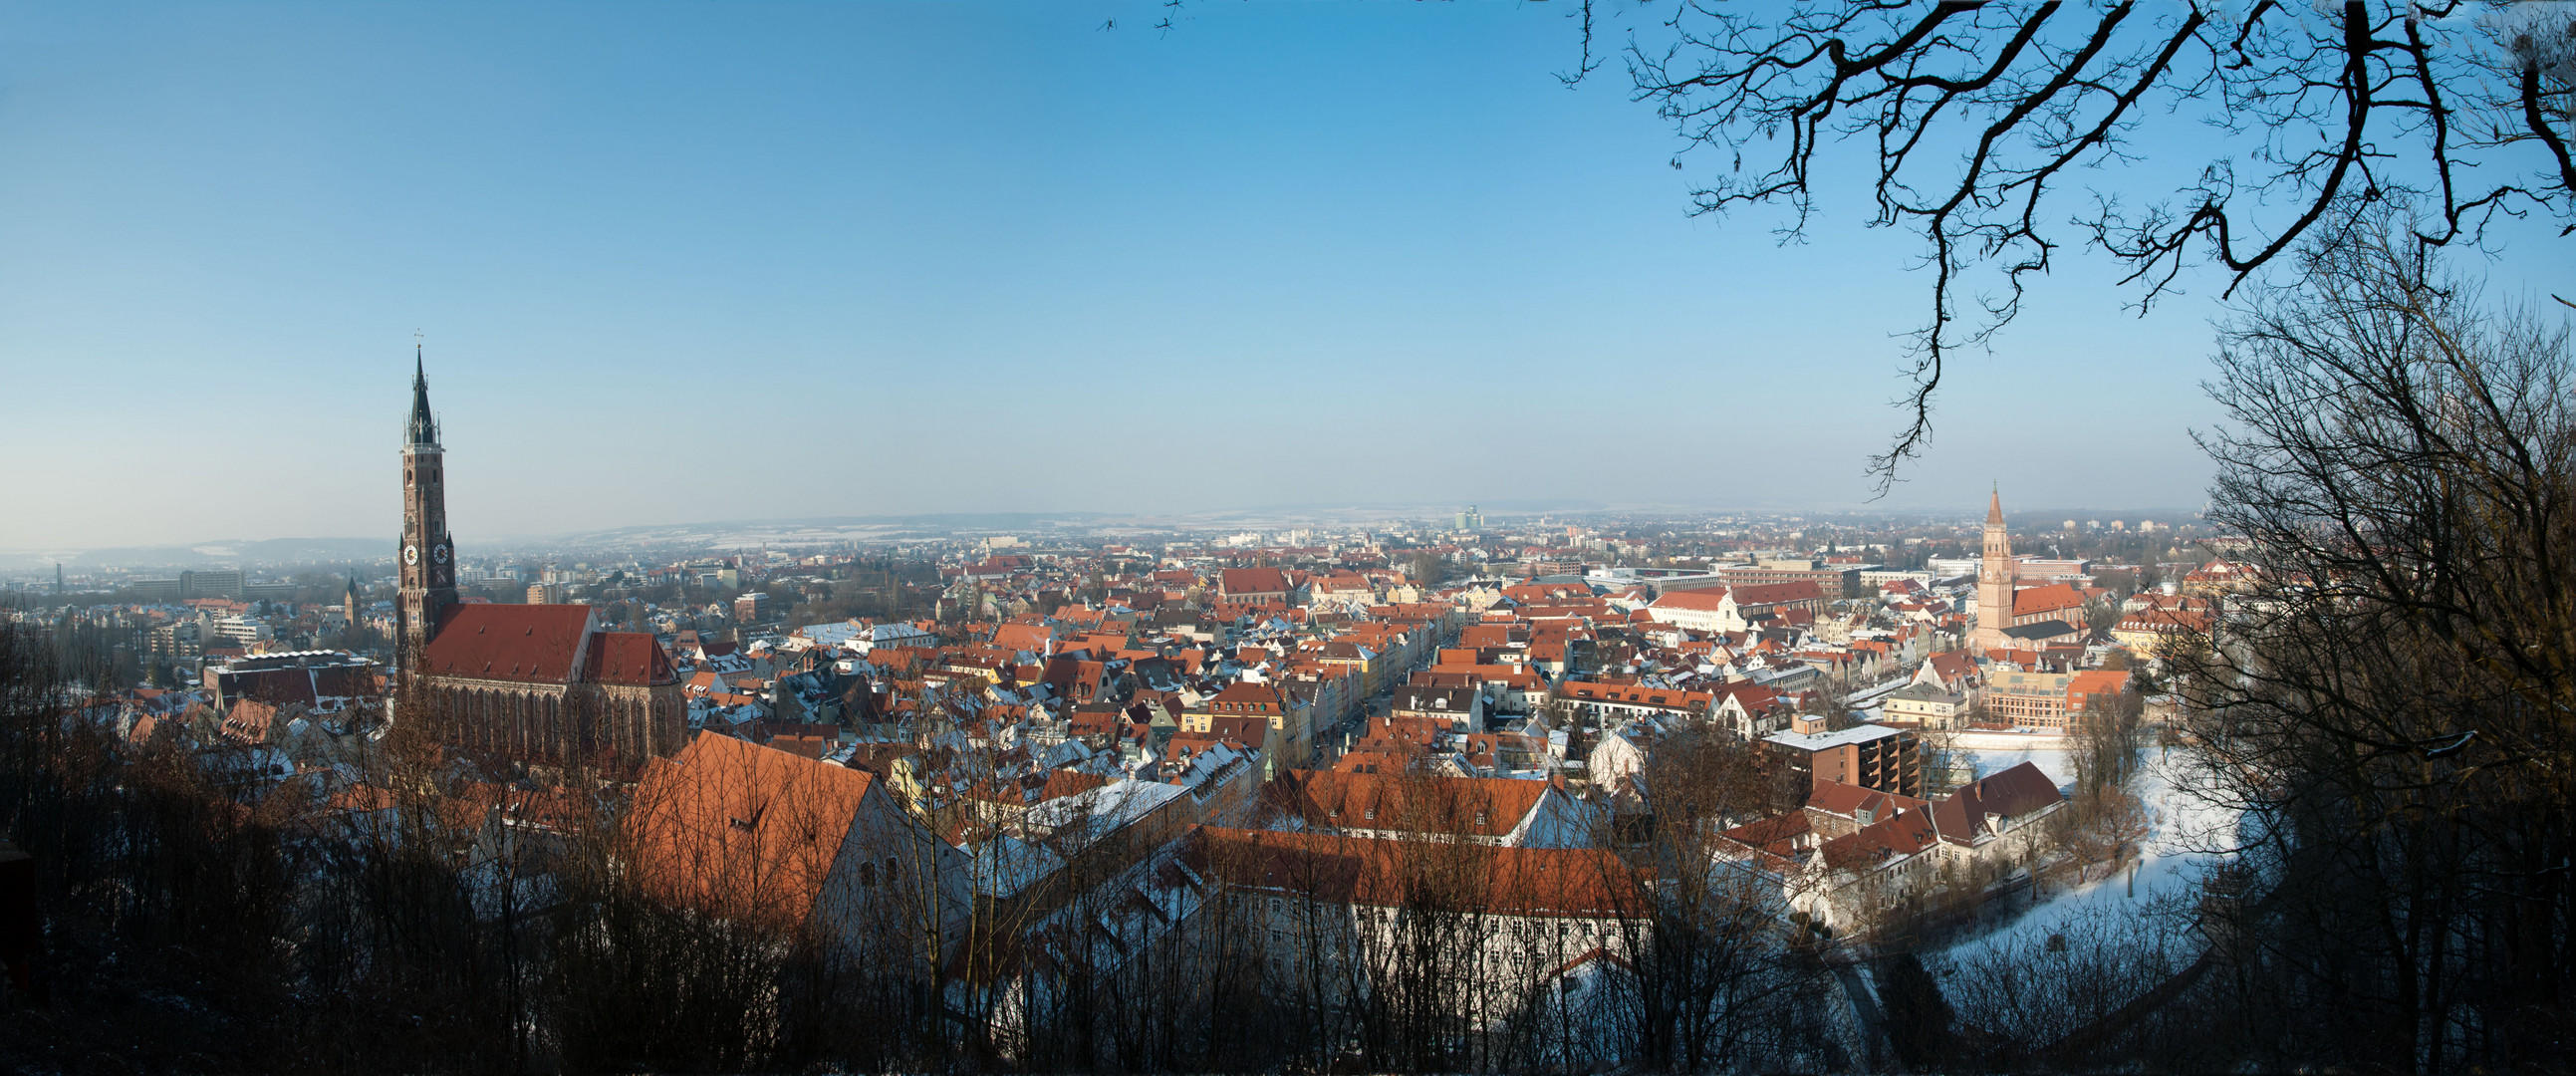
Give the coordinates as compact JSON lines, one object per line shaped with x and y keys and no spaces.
{"x":1895,"y":836}
{"x":739,"y":830}
{"x":1950,"y":666}
{"x":628,"y":657}
{"x":1835,"y":797}
{"x":1253,"y":581}
{"x":2047,"y":599}
{"x":2012,"y":794}
{"x":1706,"y":601}
{"x":1265,"y":698}
{"x":1412,"y":802}
{"x":1777,"y":836}
{"x":531,"y":643}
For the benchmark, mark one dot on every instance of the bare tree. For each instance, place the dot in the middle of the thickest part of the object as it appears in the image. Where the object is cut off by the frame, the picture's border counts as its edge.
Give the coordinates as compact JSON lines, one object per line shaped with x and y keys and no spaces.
{"x":1980,"y":118}
{"x":2390,"y":697}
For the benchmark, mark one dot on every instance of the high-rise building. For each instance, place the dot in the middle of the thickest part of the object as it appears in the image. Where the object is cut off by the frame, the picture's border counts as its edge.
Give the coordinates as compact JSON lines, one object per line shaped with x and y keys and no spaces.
{"x":213,"y":583}
{"x":1471,"y":519}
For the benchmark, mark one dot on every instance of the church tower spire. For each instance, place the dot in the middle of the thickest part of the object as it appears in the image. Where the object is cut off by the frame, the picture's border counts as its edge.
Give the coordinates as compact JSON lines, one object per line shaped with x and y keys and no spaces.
{"x":1994,"y":581}
{"x":422,"y":429}
{"x":428,"y":556}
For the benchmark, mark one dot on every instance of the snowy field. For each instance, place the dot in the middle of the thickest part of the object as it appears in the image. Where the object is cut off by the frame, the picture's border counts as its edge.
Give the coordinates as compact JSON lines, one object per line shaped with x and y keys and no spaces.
{"x":2050,"y":760}
{"x":2183,"y":837}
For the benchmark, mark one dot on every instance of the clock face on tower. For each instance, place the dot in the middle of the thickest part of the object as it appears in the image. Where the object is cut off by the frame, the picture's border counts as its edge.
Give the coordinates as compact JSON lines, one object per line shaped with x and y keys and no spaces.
{"x":438,"y":553}
{"x":411,"y":554}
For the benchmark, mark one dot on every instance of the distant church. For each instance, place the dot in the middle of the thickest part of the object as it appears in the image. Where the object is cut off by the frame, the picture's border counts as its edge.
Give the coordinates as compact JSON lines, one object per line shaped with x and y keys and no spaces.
{"x":2017,"y":619}
{"x":536,"y":684}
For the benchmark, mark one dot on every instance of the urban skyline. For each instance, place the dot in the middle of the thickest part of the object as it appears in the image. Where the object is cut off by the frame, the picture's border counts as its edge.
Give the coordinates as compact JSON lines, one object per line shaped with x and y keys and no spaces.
{"x":1142,"y":536}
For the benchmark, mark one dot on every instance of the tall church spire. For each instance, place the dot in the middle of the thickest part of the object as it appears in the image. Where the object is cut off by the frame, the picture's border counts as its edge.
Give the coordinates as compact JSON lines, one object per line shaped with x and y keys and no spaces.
{"x":428,"y":567}
{"x":423,"y":427}
{"x":1994,"y":581}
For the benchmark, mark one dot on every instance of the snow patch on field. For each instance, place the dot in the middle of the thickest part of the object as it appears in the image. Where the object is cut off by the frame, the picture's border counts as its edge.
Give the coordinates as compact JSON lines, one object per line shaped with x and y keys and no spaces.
{"x":2050,"y":760}
{"x":2186,"y":836}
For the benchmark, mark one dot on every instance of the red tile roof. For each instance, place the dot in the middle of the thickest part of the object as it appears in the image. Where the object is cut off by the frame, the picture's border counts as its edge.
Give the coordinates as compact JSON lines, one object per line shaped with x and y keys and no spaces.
{"x":2031,"y":601}
{"x":738,"y":830}
{"x":1422,"y":803}
{"x":1893,"y":837}
{"x":628,"y":657}
{"x":1802,"y":590}
{"x":532,"y":643}
{"x":1234,"y":581}
{"x":1835,"y":797}
{"x":2013,"y":793}
{"x":1706,"y":601}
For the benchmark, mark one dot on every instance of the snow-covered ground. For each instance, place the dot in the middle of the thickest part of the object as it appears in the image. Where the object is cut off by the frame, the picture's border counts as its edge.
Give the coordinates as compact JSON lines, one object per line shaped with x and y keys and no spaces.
{"x":2184,"y":837}
{"x":2051,"y":761}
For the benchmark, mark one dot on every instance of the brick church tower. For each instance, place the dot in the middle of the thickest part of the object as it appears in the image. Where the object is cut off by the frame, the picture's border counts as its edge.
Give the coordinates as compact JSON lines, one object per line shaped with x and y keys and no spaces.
{"x":1994,"y":582}
{"x":523,"y":688}
{"x":428,"y":556}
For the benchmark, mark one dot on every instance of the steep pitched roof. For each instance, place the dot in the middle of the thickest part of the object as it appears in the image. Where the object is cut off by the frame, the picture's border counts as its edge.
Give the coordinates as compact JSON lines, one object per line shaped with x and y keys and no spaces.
{"x":1246,"y":696}
{"x":2047,"y":599}
{"x":1893,"y":837}
{"x":1949,"y":667}
{"x":739,"y":830}
{"x":531,"y":643}
{"x":628,"y":657}
{"x":2012,"y":794}
{"x":1422,"y":803}
{"x":1835,"y":797}
{"x":1253,"y":581}
{"x":1777,"y":836}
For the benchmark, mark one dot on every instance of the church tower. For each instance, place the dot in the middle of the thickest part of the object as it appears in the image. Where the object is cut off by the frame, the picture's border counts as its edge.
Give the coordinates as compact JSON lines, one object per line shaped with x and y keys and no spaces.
{"x":1994,"y":581}
{"x":428,"y":557}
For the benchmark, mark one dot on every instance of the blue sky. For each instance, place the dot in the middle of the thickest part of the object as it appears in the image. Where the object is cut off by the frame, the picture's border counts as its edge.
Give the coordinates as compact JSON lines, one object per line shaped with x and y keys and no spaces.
{"x":680,"y":262}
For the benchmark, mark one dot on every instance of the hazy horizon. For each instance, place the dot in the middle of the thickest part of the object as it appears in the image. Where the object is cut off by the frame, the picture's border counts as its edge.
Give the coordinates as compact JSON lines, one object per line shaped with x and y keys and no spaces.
{"x":225,"y":549}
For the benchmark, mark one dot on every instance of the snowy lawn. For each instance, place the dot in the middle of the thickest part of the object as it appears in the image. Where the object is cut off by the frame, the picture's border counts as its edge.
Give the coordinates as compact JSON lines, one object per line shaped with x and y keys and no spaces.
{"x":2183,"y":836}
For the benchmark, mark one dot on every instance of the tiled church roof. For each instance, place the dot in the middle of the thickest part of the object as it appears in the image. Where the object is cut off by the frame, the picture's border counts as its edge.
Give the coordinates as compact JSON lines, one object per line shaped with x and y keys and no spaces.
{"x":628,"y":657}
{"x":530,"y":643}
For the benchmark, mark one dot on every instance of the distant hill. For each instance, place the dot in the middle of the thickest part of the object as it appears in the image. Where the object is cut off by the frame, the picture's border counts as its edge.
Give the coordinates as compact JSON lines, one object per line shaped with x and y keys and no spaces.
{"x":210,"y":554}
